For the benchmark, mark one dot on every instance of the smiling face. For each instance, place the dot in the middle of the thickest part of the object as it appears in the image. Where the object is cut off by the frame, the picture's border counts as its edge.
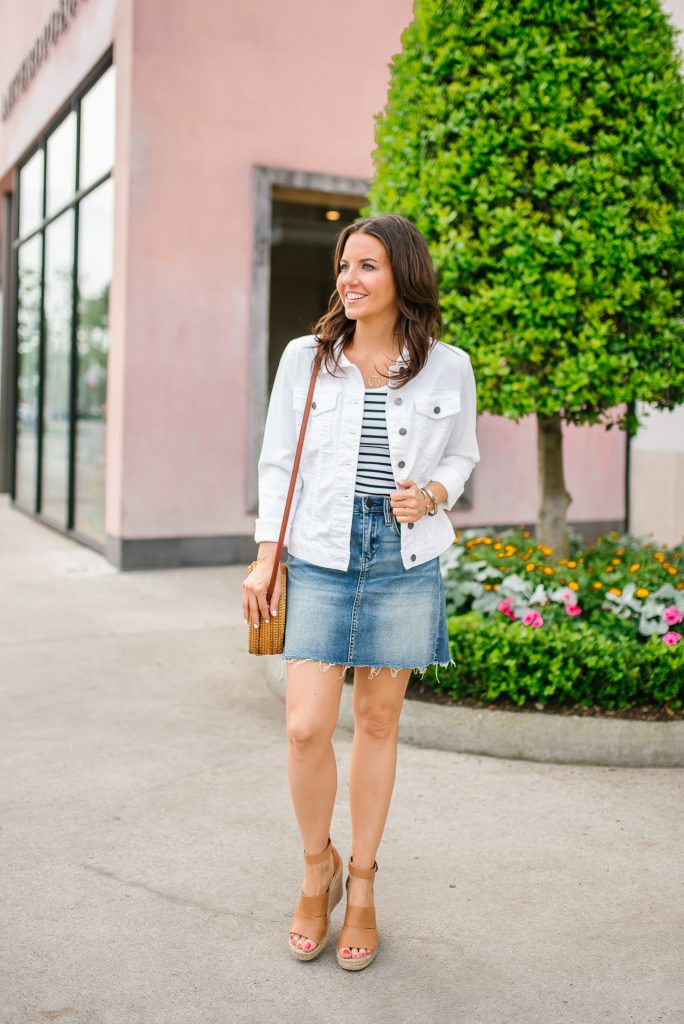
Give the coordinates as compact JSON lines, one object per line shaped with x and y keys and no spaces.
{"x":365,"y":281}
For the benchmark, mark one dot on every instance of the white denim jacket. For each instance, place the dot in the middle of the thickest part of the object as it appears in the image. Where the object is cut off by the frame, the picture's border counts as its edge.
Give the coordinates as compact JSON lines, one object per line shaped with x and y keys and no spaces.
{"x":431,"y":428}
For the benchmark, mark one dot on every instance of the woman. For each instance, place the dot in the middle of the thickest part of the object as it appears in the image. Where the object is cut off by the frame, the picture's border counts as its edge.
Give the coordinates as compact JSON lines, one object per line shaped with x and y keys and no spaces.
{"x":388,"y":447}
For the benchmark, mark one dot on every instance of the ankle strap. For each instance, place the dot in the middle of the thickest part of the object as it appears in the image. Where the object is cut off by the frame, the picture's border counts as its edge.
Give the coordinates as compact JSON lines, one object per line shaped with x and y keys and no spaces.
{"x":315,"y":858}
{"x":362,"y":872}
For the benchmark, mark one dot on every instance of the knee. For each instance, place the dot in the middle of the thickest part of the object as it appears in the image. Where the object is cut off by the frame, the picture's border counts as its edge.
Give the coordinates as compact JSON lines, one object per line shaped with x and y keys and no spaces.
{"x":376,"y":720}
{"x":306,"y":731}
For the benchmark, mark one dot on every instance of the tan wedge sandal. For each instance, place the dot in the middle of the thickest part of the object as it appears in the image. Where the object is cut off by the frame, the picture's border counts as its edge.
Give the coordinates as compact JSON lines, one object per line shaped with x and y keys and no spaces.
{"x":312,"y":915}
{"x":359,"y":928}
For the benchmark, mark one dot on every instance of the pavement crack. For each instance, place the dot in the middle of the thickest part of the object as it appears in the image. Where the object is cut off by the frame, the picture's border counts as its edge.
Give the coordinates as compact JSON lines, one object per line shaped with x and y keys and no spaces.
{"x":182,"y":901}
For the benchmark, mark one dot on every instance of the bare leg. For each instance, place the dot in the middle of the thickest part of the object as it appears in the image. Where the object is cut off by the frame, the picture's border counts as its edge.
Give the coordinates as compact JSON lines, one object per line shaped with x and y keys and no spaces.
{"x":312,"y":707}
{"x":377,"y":705}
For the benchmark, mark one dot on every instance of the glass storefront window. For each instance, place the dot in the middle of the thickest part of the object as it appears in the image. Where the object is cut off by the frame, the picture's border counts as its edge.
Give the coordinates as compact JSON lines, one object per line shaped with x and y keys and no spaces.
{"x":97,"y":130}
{"x":94,"y":275}
{"x":61,"y":165}
{"x":59,"y":266}
{"x":31,"y":194}
{"x":61,"y":416}
{"x":28,"y":355}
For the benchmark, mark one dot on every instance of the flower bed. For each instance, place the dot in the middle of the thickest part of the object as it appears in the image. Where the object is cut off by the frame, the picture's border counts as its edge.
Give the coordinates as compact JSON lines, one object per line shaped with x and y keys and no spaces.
{"x":603,"y":627}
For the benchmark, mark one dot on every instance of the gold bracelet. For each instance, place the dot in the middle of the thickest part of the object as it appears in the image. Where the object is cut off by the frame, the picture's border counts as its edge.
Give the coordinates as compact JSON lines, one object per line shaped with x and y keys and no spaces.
{"x":430,"y":497}
{"x":430,"y":503}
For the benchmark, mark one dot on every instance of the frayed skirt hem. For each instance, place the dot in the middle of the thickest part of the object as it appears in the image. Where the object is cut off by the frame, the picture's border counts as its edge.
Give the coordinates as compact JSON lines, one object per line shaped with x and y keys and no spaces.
{"x":374,"y":669}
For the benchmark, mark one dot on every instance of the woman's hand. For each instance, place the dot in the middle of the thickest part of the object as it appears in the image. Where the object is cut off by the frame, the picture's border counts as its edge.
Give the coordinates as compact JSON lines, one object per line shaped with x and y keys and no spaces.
{"x":410,"y":503}
{"x":254,"y":588}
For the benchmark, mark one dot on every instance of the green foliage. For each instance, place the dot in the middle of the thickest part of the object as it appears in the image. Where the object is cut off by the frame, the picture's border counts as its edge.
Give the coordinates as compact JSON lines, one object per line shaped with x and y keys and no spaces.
{"x":570,"y":664}
{"x":539,"y":146}
{"x":613,"y":652}
{"x":620,"y":584}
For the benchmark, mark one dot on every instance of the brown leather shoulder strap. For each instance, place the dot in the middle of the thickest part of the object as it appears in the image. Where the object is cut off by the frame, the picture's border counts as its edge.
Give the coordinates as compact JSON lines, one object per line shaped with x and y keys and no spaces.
{"x":279,"y":547}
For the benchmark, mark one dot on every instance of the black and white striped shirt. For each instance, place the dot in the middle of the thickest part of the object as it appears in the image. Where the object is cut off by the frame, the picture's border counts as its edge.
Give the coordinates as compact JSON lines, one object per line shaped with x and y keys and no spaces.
{"x":374,"y":470}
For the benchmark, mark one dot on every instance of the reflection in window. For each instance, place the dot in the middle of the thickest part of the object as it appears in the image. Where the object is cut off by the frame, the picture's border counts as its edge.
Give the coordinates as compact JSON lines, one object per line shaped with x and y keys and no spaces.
{"x":31,"y":194}
{"x":28,"y":344}
{"x":94,"y":275}
{"x":59,"y":261}
{"x":62,"y":416}
{"x":61,"y":165}
{"x":97,"y":130}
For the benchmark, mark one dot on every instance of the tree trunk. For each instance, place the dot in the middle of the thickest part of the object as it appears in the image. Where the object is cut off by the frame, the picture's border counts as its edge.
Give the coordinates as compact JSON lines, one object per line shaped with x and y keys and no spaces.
{"x":553,"y":497}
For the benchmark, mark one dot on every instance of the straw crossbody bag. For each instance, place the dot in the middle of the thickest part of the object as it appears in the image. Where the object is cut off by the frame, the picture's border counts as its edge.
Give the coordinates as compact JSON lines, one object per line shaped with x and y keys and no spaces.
{"x":269,"y":638}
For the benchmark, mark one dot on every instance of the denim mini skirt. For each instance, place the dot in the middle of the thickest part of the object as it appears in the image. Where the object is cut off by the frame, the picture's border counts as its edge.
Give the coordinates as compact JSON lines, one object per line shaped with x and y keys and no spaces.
{"x":375,"y":613}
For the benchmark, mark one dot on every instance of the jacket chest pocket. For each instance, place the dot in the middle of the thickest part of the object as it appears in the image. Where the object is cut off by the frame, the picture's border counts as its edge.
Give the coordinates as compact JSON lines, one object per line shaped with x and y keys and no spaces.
{"x":434,"y":419}
{"x":319,"y":429}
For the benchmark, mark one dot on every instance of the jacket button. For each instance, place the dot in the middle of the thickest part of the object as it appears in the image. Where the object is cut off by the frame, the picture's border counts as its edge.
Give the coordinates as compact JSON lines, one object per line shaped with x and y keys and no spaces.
{"x":436,"y":409}
{"x":410,"y":526}
{"x":402,"y":464}
{"x":397,"y":401}
{"x":402,"y":430}
{"x":313,"y":405}
{"x":413,"y":558}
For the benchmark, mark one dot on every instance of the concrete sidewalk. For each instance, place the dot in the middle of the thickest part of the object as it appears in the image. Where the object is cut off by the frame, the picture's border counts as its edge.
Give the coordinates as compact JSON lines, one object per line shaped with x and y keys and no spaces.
{"x":151,"y":859}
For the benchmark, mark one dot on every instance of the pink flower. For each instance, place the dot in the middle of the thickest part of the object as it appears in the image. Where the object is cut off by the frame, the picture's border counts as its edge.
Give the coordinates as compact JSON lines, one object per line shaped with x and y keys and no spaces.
{"x":573,"y":609}
{"x":505,"y":608}
{"x":672,"y":615}
{"x":568,"y":595}
{"x":672,"y":638}
{"x":532,"y":618}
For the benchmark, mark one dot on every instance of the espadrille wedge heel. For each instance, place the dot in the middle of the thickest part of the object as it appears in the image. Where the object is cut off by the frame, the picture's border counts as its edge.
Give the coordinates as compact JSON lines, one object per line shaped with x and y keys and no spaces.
{"x":312,"y":915}
{"x":359,"y":928}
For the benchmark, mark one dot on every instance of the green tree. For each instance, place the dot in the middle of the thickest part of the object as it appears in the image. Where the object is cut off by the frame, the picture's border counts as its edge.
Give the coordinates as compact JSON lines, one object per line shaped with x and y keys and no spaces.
{"x":539,"y":146}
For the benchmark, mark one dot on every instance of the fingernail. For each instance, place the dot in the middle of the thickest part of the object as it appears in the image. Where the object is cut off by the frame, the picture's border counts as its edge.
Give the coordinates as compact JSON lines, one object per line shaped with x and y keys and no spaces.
{"x":246,"y":622}
{"x":274,"y":612}
{"x":267,"y":620}
{"x":256,"y":625}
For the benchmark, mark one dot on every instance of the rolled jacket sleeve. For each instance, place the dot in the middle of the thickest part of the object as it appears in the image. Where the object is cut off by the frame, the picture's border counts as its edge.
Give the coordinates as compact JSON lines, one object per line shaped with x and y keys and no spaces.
{"x":277,"y":455}
{"x":461,"y":453}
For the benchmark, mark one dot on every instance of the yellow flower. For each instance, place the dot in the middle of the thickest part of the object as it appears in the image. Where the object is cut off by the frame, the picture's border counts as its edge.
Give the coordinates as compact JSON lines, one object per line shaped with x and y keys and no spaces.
{"x":486,"y":540}
{"x":613,"y":534}
{"x":572,"y":565}
{"x":659,"y":556}
{"x":610,"y":568}
{"x":562,"y":561}
{"x":526,"y":533}
{"x":616,"y":561}
{"x":619,"y":551}
{"x":548,"y":570}
{"x":635,"y":567}
{"x":573,"y":585}
{"x":530,"y":566}
{"x":597,"y":585}
{"x":679,"y":586}
{"x":641,"y":592}
{"x":488,"y":586}
{"x":615,"y":590}
{"x":498,"y":545}
{"x":672,"y":571}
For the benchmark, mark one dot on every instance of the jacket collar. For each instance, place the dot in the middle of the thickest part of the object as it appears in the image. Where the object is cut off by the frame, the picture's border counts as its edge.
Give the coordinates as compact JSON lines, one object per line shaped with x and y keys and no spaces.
{"x":403,"y":358}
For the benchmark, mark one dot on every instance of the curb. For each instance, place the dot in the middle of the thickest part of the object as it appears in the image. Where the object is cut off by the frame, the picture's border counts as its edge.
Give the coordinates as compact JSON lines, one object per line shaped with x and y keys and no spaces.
{"x":526,"y":736}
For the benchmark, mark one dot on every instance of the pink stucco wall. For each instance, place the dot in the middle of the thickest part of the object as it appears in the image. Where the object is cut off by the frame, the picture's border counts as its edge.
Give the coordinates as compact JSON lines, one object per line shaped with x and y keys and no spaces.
{"x":204,"y":92}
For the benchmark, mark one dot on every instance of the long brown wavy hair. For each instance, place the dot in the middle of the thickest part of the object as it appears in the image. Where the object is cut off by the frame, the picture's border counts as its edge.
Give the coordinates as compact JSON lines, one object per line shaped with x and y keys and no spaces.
{"x":419,"y":317}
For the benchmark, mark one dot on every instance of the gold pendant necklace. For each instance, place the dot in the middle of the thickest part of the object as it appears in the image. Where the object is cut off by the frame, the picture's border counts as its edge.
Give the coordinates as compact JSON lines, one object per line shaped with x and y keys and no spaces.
{"x":373,"y":380}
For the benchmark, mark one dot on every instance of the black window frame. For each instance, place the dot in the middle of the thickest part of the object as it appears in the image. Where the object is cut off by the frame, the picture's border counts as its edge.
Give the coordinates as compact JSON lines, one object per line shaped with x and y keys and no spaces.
{"x":73,"y":104}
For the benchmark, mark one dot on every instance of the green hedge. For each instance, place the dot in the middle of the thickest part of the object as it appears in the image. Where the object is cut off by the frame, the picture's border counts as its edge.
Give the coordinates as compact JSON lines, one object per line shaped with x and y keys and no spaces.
{"x":569,"y":664}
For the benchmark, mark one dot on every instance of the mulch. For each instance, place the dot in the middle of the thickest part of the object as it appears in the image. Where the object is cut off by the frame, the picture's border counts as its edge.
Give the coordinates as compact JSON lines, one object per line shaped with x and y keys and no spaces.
{"x":643,"y":713}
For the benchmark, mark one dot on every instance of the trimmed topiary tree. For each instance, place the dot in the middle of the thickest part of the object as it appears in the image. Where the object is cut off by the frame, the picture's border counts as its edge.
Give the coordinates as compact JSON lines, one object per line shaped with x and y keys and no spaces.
{"x":539,"y":146}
